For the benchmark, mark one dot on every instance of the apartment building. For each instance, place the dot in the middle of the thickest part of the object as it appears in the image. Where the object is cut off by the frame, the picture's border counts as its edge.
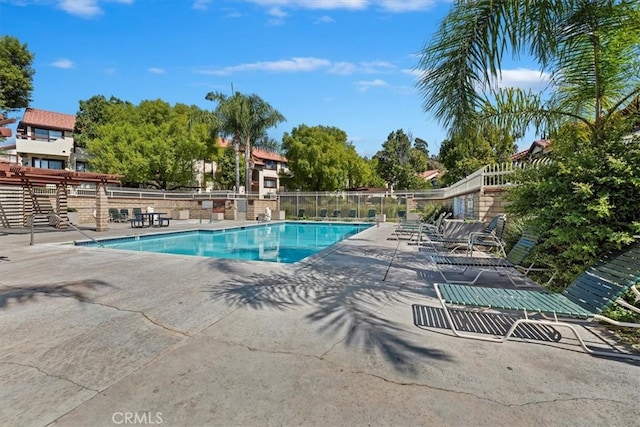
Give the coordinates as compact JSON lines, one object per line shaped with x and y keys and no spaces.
{"x":44,"y":139}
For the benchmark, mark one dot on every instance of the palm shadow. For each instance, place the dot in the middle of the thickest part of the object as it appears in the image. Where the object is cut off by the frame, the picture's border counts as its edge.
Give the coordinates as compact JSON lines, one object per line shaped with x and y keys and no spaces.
{"x":343,"y":303}
{"x":78,"y":290}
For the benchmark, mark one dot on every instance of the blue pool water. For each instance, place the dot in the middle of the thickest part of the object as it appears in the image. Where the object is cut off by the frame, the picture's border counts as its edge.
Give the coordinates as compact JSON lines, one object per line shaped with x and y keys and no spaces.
{"x":278,"y":242}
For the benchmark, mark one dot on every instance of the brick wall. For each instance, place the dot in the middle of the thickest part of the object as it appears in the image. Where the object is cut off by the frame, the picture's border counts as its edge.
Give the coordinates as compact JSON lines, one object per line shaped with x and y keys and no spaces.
{"x":491,"y":203}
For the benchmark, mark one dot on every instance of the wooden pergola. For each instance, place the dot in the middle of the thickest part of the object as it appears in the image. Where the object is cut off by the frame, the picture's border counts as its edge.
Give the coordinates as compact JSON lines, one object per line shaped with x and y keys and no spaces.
{"x":29,"y":177}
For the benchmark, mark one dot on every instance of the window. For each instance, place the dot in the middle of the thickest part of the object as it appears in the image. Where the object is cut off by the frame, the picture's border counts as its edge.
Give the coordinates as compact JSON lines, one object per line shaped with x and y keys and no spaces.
{"x":47,"y":163}
{"x":270,"y":164}
{"x":270,"y":183}
{"x":46,"y":134}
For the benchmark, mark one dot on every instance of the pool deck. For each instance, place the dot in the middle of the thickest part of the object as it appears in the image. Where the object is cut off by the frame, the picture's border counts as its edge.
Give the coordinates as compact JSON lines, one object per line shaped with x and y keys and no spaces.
{"x":98,"y":337}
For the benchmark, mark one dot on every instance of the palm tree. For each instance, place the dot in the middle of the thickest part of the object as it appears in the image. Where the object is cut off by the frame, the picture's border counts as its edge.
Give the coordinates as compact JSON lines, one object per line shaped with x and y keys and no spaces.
{"x":590,"y":49}
{"x":246,"y":118}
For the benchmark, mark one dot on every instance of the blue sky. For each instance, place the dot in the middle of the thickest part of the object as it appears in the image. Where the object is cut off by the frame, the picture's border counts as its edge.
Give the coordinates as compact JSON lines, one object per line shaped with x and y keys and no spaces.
{"x":344,"y":63}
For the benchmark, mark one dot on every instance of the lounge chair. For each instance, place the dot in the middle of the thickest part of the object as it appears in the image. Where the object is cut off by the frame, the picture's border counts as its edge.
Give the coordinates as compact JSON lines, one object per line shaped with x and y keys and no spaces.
{"x":352,"y":214}
{"x":336,"y":213}
{"x":124,"y":213}
{"x":323,"y":214}
{"x":371,"y":215}
{"x":584,"y":300}
{"x":490,"y":236}
{"x":511,"y":266}
{"x":114,"y":215}
{"x":301,"y":214}
{"x":413,"y":228}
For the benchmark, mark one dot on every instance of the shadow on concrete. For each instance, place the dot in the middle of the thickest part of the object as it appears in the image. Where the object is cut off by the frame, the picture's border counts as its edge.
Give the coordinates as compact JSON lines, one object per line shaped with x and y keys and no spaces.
{"x":343,"y":304}
{"x":76,"y":289}
{"x":481,"y":323}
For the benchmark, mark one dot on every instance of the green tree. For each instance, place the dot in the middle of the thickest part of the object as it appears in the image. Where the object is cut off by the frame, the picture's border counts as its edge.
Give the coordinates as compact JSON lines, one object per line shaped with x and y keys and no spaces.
{"x":226,"y":169}
{"x":591,"y":50}
{"x":150,"y":144}
{"x":246,"y":118}
{"x":399,"y":164}
{"x":585,"y":200}
{"x":462,"y":155}
{"x":16,"y":75}
{"x":319,"y":159}
{"x":92,"y":113}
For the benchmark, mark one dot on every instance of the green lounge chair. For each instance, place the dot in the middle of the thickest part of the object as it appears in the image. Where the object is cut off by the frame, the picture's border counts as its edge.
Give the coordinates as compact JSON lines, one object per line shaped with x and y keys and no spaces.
{"x":585,"y":299}
{"x":336,"y":213}
{"x":301,"y":214}
{"x":511,"y":266}
{"x":114,"y":215}
{"x":352,"y":214}
{"x":489,"y":237}
{"x":371,"y":216}
{"x":323,"y":213}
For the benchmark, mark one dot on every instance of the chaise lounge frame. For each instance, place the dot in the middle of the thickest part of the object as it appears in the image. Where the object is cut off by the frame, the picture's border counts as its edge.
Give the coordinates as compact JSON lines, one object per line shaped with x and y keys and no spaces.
{"x":584,"y":300}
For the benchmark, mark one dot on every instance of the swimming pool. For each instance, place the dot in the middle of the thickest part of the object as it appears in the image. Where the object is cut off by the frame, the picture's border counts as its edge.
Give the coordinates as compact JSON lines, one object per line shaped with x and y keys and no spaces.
{"x":279,"y":242}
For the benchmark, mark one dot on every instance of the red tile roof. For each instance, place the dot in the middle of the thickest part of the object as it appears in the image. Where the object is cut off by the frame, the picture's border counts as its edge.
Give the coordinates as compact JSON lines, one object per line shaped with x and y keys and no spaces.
{"x":47,"y":119}
{"x":257,"y":153}
{"x":430,"y":174}
{"x":5,"y":132}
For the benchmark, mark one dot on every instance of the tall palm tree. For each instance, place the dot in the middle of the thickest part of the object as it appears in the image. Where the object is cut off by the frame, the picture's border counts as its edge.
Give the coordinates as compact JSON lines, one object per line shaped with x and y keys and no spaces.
{"x":590,"y":49}
{"x":246,"y":118}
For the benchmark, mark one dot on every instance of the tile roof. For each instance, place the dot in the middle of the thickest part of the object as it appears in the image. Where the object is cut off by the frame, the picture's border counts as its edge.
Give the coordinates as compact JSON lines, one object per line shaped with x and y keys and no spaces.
{"x":5,"y":132}
{"x":430,"y":174}
{"x":47,"y":119}
{"x":257,"y":153}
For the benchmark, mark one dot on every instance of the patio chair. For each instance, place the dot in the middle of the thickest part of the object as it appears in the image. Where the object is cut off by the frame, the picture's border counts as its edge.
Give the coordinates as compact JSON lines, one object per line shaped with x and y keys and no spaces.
{"x":114,"y":215}
{"x":352,"y":214}
{"x":137,"y":219}
{"x":323,"y":213}
{"x":594,"y":290}
{"x":511,"y":265}
{"x":301,"y":213}
{"x":336,"y":213}
{"x":124,"y":213}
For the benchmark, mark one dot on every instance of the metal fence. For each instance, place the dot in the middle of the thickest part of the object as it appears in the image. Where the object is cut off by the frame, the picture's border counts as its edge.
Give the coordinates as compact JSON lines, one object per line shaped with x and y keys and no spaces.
{"x":339,"y":204}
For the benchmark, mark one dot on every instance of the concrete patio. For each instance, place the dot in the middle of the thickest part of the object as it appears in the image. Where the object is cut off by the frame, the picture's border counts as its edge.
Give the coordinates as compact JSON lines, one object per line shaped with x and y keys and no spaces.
{"x":98,"y":337}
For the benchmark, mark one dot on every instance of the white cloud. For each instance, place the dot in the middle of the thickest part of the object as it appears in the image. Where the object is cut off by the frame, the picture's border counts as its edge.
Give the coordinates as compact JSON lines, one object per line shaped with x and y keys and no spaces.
{"x":325,"y":19}
{"x":305,"y":64}
{"x":523,"y":78}
{"x":376,"y":67}
{"x":86,"y":8}
{"x":154,"y":70}
{"x":201,"y":4}
{"x":83,"y":8}
{"x":393,"y":6}
{"x":343,"y":68}
{"x":399,"y":6}
{"x":62,"y":63}
{"x":314,"y":4}
{"x":365,"y":85}
{"x":284,"y":66}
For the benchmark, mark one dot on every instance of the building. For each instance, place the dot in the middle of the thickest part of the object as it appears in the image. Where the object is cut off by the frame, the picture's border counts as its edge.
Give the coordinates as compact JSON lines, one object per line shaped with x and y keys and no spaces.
{"x":267,"y":167}
{"x":44,"y":139}
{"x":538,"y":149}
